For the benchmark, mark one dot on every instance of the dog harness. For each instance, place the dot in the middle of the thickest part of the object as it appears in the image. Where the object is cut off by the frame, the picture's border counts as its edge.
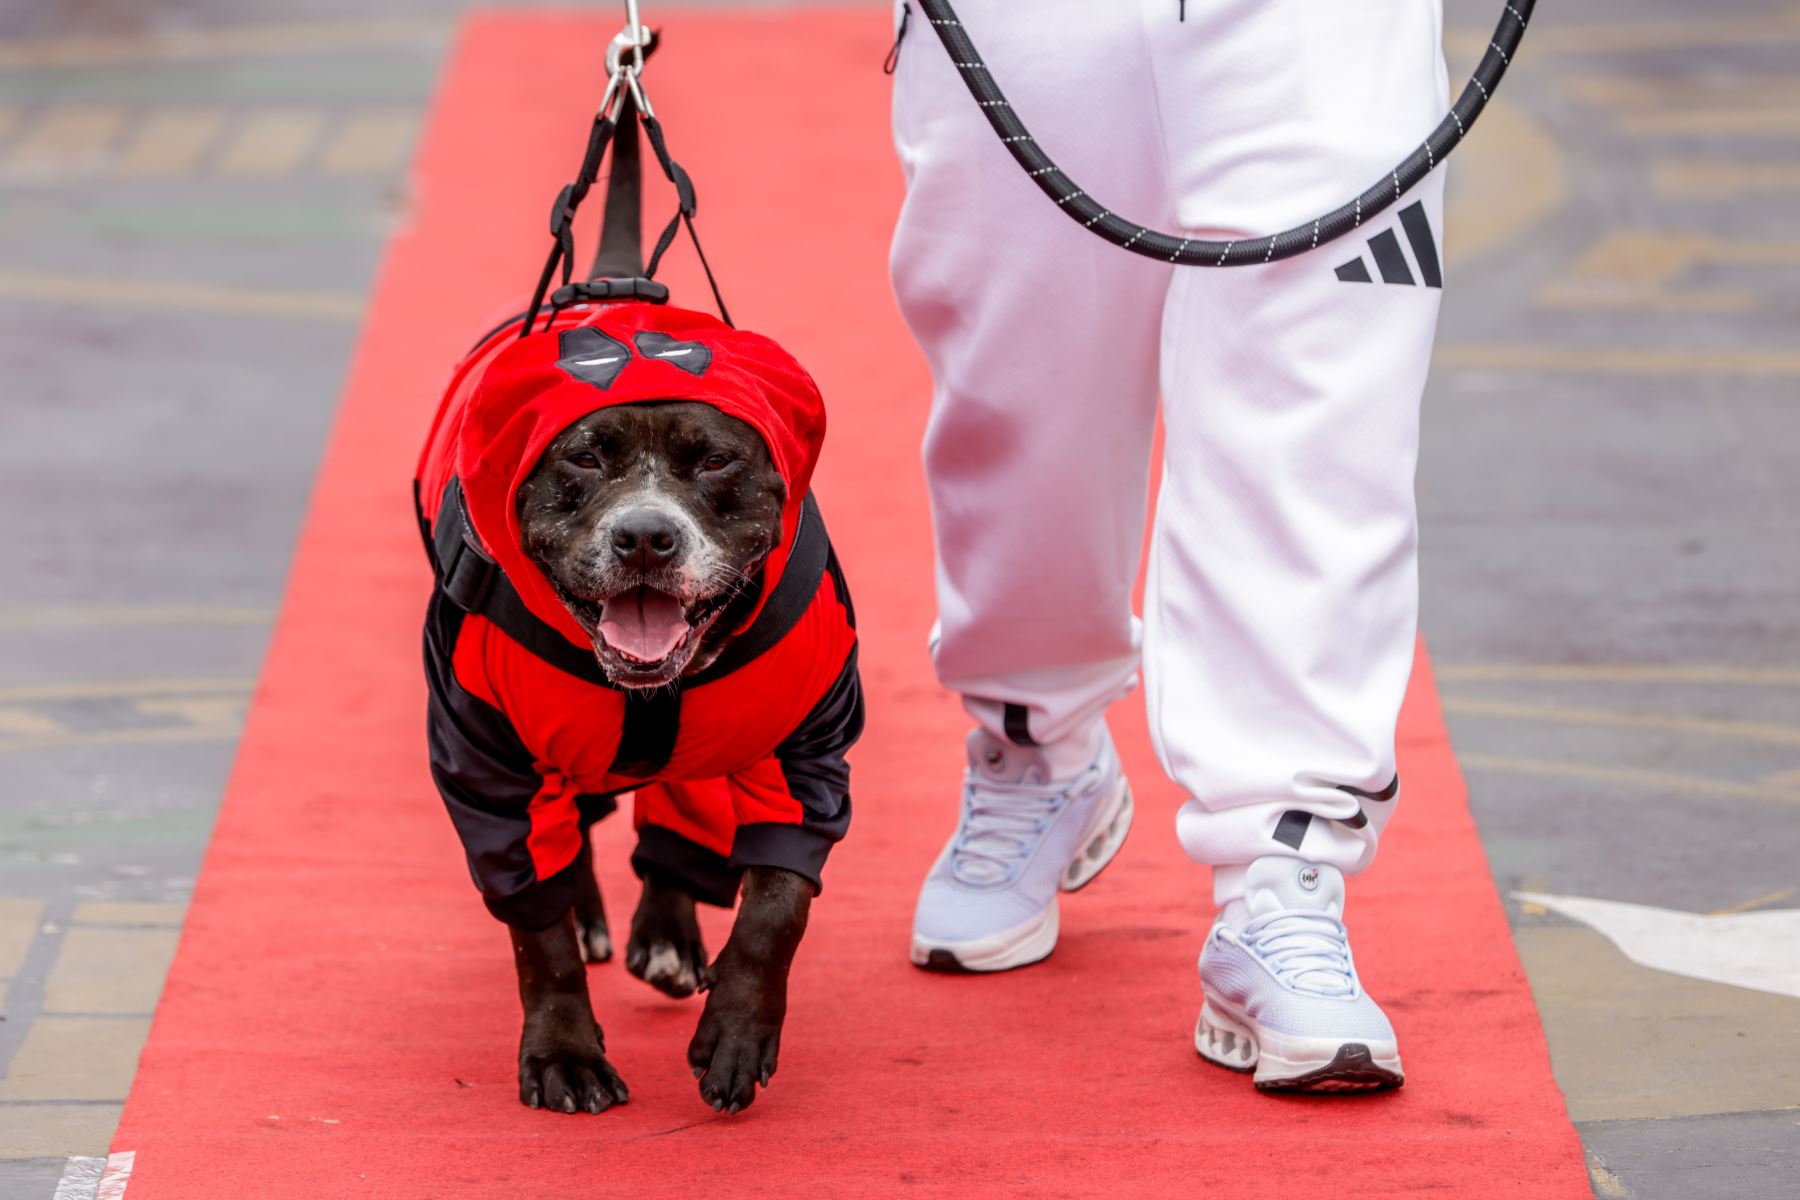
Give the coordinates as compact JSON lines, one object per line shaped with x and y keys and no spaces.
{"x":739,"y":765}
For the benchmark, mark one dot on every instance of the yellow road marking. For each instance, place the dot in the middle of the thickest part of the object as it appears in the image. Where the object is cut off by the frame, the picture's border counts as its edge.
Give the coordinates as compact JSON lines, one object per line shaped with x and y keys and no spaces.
{"x":238,"y":42}
{"x":1607,"y":295}
{"x":1766,"y":899}
{"x":112,"y":971}
{"x":216,"y":711}
{"x":369,"y":142}
{"x":1621,"y":37}
{"x":1785,"y":735}
{"x":57,"y":1130}
{"x":1658,"y":780}
{"x":105,"y":689}
{"x":75,"y":1058}
{"x":1601,"y":673}
{"x":135,"y":616}
{"x":1663,"y":92}
{"x":66,"y":139}
{"x":1512,"y":176}
{"x":25,"y":721}
{"x":163,"y":295}
{"x":1716,"y":122}
{"x":18,"y":929}
{"x":1634,"y":269}
{"x":270,"y":143}
{"x":1701,"y":178}
{"x":1616,"y":360}
{"x":122,"y":737}
{"x":139,"y":912}
{"x":169,"y":143}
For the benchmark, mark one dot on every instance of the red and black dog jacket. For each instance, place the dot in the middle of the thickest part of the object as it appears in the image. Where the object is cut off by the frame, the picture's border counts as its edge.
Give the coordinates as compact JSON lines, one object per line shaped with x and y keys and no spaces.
{"x":741,"y":765}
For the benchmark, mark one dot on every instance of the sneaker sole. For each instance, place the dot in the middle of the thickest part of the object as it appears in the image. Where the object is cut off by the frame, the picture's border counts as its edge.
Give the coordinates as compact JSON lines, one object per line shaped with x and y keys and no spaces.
{"x":1101,"y":841}
{"x":1019,"y":946}
{"x":1282,"y":1063}
{"x":1033,"y":940}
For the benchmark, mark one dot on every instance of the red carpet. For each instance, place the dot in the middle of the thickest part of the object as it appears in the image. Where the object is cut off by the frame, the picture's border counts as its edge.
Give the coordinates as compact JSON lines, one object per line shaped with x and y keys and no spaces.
{"x":341,"y":1021}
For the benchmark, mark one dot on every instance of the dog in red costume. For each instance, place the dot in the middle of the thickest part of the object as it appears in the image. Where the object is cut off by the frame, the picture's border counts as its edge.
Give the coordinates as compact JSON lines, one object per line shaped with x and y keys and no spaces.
{"x":635,"y":594}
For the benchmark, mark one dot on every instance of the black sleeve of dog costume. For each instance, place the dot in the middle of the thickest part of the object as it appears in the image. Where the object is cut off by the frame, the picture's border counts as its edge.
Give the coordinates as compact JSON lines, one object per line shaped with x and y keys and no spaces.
{"x":813,"y":764}
{"x":487,"y":780}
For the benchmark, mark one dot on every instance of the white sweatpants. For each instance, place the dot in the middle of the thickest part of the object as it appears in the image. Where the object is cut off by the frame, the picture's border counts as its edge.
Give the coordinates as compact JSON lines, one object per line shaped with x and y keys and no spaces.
{"x":1282,"y":602}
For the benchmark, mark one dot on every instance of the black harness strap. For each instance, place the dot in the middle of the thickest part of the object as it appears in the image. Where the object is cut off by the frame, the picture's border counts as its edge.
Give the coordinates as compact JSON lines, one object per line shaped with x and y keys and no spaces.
{"x":793,"y":593}
{"x":652,"y":719}
{"x":562,"y":217}
{"x":477,"y":585}
{"x":684,"y":213}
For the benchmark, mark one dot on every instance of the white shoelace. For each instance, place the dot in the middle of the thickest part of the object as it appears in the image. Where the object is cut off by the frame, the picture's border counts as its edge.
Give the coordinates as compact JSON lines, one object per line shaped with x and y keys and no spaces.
{"x":1307,"y":951}
{"x":1001,"y":825}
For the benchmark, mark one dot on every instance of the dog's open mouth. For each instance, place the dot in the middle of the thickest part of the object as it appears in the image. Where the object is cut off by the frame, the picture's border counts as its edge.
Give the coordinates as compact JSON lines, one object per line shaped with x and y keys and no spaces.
{"x":646,"y":635}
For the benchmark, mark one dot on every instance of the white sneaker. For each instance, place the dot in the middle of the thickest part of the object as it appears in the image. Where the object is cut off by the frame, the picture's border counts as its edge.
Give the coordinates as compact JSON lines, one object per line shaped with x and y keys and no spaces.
{"x":1281,"y":997}
{"x":989,"y":903}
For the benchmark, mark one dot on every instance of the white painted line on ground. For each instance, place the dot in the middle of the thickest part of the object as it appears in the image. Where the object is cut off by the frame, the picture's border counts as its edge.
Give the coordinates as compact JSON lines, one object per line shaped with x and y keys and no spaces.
{"x":117,"y":1175}
{"x":80,"y":1178}
{"x":1755,"y":950}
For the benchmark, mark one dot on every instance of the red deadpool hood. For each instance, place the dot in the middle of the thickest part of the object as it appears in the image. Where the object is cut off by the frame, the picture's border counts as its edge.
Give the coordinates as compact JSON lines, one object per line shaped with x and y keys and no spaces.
{"x":522,"y":392}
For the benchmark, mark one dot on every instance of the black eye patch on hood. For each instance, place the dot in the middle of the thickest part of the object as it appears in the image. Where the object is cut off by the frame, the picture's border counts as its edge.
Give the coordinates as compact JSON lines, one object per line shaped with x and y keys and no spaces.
{"x":591,"y":356}
{"x":691,"y":357}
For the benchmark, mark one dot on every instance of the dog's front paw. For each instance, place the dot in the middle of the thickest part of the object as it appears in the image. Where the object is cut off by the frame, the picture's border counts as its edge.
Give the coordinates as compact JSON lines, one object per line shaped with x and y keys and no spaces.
{"x":567,"y":1072}
{"x":735,"y":1049}
{"x":665,"y":950}
{"x":596,"y":940}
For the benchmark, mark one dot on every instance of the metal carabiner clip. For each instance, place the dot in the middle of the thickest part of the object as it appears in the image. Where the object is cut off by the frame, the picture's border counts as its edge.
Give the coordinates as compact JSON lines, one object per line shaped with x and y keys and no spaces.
{"x":626,"y":72}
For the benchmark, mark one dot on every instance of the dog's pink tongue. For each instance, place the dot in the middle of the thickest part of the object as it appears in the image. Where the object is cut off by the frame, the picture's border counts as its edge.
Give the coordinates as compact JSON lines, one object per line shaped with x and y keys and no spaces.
{"x":644,"y":623}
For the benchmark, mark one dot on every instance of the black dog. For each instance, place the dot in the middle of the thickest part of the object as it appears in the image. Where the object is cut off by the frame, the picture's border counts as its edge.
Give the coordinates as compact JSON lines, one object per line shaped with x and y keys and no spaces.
{"x":665,"y":510}
{"x":635,"y":593}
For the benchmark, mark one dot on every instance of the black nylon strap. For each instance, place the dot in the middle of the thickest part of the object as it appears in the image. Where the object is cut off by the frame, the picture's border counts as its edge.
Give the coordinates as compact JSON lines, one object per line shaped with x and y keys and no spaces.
{"x":652,"y":721}
{"x":1016,"y":720}
{"x":1249,"y":251}
{"x":684,"y":213}
{"x":562,"y":217}
{"x":792,"y":596}
{"x":477,"y":585}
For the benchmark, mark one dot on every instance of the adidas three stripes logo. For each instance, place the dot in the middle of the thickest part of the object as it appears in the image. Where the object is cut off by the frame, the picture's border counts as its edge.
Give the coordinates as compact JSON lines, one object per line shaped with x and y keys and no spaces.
{"x":1391,"y":261}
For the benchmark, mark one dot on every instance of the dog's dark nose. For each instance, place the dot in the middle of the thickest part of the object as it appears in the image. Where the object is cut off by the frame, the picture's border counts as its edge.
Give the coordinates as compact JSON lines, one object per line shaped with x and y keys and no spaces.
{"x":645,"y":538}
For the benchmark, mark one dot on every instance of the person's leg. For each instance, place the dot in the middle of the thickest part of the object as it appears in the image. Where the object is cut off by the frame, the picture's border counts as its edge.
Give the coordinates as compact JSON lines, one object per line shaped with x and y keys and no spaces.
{"x":1282,"y":603}
{"x":1042,"y":342}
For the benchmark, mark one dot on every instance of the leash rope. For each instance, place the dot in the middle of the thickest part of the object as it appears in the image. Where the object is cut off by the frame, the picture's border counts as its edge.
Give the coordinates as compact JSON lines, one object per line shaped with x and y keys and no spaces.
{"x":1199,"y":252}
{"x":623,"y":106}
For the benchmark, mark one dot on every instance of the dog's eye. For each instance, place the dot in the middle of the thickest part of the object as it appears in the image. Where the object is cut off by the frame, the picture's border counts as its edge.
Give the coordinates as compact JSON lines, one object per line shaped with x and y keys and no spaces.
{"x":716,"y":462}
{"x":586,"y":460}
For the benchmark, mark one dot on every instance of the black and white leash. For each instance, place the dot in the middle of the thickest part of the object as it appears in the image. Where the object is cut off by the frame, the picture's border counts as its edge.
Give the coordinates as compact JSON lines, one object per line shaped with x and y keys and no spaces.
{"x":1249,"y":251}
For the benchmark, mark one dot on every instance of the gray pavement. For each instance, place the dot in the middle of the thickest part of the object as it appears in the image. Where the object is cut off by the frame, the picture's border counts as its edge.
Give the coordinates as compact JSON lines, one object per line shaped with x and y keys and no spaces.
{"x":1611,"y":508}
{"x":193,"y":194}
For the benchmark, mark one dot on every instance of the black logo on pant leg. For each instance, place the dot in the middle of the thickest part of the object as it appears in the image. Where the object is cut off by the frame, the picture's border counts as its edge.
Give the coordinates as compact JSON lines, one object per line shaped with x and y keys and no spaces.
{"x":1385,"y":248}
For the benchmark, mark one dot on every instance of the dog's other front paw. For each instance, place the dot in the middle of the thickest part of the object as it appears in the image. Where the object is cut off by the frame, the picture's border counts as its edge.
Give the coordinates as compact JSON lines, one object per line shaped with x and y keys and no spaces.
{"x":566,"y":1071}
{"x":734,"y":1050}
{"x":596,"y":941}
{"x":665,"y":950}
